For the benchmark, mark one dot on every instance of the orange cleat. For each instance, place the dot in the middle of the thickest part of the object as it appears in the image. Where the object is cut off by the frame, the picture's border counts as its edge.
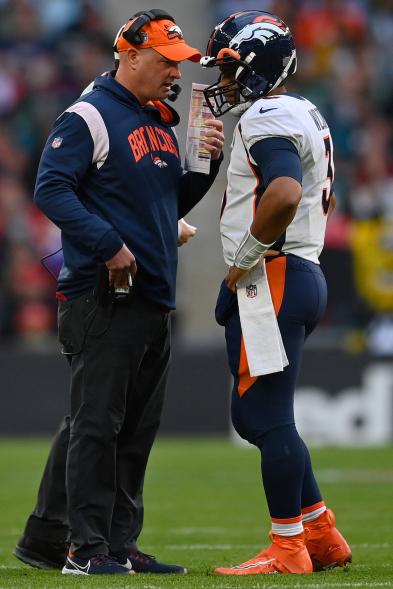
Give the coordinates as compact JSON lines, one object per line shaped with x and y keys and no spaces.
{"x":287,"y":554}
{"x":326,"y":546}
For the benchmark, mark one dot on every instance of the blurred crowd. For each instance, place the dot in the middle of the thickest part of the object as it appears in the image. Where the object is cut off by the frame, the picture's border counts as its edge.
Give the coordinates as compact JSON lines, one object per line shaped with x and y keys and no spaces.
{"x":51,"y":49}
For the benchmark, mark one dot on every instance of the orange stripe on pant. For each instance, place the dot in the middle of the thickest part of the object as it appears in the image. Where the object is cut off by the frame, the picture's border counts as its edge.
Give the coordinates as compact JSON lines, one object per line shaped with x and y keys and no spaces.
{"x":275,"y":271}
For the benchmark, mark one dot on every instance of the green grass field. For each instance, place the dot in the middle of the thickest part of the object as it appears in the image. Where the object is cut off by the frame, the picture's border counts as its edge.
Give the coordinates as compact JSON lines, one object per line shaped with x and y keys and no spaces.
{"x":205,"y":507}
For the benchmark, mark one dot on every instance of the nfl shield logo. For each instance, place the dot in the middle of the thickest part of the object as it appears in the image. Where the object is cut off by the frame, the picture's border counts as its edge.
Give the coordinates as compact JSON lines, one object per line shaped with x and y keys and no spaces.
{"x":251,"y":291}
{"x":57,"y":141}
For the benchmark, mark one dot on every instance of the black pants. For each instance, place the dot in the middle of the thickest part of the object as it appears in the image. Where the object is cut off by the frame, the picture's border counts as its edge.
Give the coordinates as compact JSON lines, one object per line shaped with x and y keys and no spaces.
{"x":119,"y":363}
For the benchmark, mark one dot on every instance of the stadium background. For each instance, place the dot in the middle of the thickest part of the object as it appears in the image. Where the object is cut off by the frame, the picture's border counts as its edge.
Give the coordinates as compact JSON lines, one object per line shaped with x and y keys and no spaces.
{"x":49,"y":51}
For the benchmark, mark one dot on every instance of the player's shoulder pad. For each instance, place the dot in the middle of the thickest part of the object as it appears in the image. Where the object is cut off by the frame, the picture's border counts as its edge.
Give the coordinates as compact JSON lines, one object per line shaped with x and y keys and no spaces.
{"x":271,"y":117}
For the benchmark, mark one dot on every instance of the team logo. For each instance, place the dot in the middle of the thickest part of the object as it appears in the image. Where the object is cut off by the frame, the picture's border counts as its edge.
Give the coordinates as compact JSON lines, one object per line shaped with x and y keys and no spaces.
{"x":272,"y":20}
{"x":57,"y":141}
{"x":173,"y":32}
{"x":263,"y":32}
{"x":251,"y":291}
{"x":144,"y":36}
{"x":160,"y":163}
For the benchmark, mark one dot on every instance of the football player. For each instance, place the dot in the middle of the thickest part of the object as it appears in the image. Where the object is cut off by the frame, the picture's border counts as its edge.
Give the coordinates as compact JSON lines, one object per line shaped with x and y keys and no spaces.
{"x":274,"y":212}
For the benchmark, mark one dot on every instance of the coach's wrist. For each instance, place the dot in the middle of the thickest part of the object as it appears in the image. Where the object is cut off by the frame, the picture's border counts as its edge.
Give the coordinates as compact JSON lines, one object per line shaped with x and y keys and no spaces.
{"x":249,"y":251}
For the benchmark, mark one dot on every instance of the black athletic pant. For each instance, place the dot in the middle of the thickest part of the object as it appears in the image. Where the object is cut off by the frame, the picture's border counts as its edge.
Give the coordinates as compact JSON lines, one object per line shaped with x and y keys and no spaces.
{"x":120,"y":357}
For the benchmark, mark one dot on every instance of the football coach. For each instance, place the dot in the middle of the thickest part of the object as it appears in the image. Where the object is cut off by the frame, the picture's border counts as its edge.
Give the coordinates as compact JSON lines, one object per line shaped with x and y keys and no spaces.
{"x":111,"y":179}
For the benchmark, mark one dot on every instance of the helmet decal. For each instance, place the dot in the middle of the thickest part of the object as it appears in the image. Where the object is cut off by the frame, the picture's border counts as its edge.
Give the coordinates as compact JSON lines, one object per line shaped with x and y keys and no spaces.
{"x":264,"y":55}
{"x":255,"y":31}
{"x":272,"y":20}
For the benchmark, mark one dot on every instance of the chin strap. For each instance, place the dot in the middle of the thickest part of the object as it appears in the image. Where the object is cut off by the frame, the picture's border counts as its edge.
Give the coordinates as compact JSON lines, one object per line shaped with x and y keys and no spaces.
{"x":286,"y":70}
{"x":240,"y":108}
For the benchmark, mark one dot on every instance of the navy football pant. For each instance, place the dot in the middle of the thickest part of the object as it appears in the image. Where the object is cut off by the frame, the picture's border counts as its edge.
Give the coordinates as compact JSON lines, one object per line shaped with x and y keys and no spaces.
{"x":263,"y":407}
{"x":119,"y":369}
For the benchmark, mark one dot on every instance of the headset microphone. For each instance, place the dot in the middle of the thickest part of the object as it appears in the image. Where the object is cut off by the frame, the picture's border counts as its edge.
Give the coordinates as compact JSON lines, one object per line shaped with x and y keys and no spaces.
{"x":174,"y":92}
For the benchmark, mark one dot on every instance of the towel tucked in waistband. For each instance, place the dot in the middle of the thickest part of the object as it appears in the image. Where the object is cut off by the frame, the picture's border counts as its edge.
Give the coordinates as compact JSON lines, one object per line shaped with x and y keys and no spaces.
{"x":262,"y":338}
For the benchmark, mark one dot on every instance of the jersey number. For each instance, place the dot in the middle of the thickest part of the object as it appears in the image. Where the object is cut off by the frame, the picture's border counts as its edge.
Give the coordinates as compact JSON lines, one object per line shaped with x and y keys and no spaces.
{"x":329,"y":176}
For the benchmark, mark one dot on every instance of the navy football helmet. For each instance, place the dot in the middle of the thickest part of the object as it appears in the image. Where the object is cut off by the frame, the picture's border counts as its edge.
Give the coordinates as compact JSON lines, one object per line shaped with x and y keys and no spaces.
{"x":259,"y":50}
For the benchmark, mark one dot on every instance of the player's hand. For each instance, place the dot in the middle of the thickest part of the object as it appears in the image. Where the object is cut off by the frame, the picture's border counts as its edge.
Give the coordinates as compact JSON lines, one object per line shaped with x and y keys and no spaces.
{"x":120,"y":267}
{"x":214,"y":137}
{"x":185,"y":232}
{"x":233,"y":276}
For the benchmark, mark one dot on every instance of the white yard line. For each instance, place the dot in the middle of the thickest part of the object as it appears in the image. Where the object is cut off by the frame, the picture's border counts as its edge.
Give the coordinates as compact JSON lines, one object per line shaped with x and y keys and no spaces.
{"x":183,"y":546}
{"x":304,"y":585}
{"x":354,"y":475}
{"x":198,"y":530}
{"x":385,"y":565}
{"x":372,"y":546}
{"x":212,"y":546}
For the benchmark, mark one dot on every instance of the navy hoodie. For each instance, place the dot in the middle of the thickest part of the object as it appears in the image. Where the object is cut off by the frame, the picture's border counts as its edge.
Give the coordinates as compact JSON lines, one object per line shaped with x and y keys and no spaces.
{"x":110,"y":173}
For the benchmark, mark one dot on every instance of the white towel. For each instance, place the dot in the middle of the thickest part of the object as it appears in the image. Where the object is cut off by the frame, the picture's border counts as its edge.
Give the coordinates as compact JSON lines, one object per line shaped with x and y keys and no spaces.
{"x":262,"y":338}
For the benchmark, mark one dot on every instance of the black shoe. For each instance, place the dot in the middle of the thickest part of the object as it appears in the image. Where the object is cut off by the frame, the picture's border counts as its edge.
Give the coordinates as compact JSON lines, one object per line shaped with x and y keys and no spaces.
{"x":145,"y":563}
{"x":99,"y":564}
{"x":40,"y":554}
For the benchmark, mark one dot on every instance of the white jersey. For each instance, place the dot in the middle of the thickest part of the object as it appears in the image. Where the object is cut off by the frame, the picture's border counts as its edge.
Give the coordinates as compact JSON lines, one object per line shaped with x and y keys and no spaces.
{"x":298,"y":120}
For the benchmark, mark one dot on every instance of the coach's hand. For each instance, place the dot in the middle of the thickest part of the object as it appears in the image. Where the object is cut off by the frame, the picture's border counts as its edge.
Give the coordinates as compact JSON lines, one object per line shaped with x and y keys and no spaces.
{"x":186,"y":231}
{"x":214,"y":137}
{"x":120,"y":267}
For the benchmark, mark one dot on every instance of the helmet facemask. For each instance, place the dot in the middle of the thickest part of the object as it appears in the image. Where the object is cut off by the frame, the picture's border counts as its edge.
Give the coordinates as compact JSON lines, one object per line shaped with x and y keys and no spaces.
{"x":259,"y":48}
{"x":242,"y":87}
